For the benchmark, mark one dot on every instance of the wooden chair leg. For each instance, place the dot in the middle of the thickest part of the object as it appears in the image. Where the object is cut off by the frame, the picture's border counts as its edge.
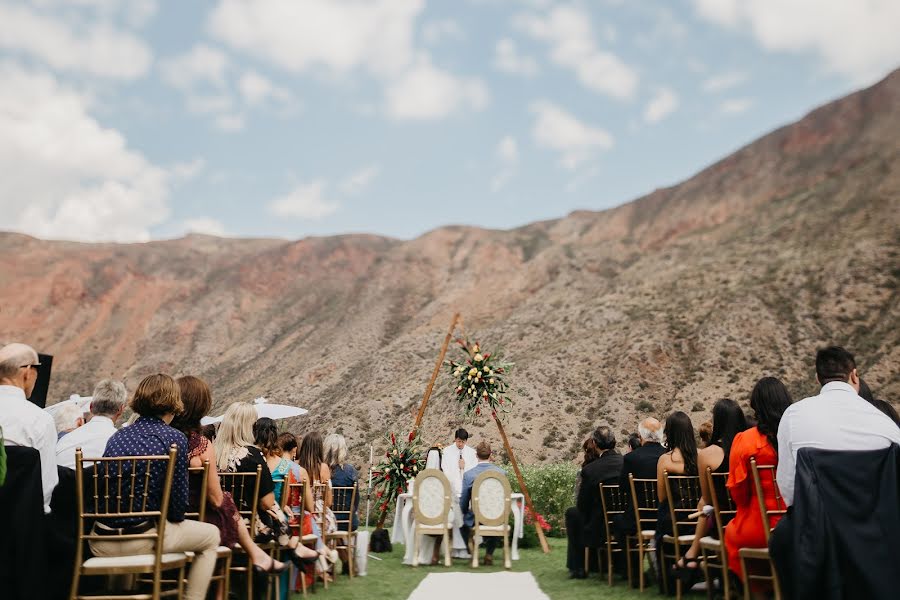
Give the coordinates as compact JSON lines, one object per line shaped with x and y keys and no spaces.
{"x":448,"y":561}
{"x":746,"y":578}
{"x":776,"y":584}
{"x":507,"y":560}
{"x":415,"y":558}
{"x":628,"y":560}
{"x":641,"y":563}
{"x":351,"y":554}
{"x":474,"y":551}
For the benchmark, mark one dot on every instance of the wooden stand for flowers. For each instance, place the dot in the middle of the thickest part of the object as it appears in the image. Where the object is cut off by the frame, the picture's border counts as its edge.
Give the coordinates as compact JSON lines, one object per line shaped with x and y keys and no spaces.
{"x":509,"y":451}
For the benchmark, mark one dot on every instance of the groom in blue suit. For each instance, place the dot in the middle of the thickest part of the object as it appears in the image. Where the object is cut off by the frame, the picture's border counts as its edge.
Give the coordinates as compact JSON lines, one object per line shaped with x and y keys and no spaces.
{"x":483,"y":453}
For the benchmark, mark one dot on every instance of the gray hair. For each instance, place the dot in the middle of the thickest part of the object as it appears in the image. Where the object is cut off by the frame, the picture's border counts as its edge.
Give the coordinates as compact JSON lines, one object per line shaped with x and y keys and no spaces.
{"x":108,"y":398}
{"x":66,"y":416}
{"x":651,"y":434}
{"x":335,"y":450}
{"x":13,"y":357}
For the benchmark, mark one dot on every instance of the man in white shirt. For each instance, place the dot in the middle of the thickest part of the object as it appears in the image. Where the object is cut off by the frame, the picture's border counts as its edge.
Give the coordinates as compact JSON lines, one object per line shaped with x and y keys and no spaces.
{"x":836,"y":419}
{"x":25,"y":424}
{"x":107,"y":405}
{"x":457,"y":459}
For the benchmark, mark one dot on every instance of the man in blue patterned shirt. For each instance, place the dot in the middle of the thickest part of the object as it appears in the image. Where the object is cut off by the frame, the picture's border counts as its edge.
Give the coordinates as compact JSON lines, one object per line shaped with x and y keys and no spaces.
{"x":157,"y":401}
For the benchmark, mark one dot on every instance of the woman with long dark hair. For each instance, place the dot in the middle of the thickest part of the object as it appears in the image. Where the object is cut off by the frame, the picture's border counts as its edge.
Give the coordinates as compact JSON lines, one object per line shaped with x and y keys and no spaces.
{"x":769,"y":399}
{"x":728,"y":420}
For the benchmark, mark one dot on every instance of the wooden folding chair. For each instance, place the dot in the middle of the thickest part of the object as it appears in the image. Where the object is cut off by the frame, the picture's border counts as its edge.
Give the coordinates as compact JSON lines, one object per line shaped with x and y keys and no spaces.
{"x":613,"y":499}
{"x":117,"y":475}
{"x":491,"y":504}
{"x":319,"y":492}
{"x":712,"y":550}
{"x":762,"y":554}
{"x":295,"y":493}
{"x":645,"y":503}
{"x":343,"y":506}
{"x":431,"y":506}
{"x":683,"y":493}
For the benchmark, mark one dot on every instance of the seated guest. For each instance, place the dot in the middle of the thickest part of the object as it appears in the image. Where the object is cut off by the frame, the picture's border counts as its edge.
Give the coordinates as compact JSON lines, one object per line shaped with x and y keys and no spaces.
{"x":265,"y":435}
{"x":836,"y":419}
{"x":67,"y":419}
{"x":768,"y":400}
{"x":23,"y":423}
{"x":584,"y":521}
{"x":107,"y":405}
{"x":157,"y":400}
{"x":681,"y":459}
{"x":343,"y":474}
{"x":634,"y":442}
{"x":705,"y":433}
{"x":728,"y":420}
{"x":220,"y":508}
{"x":865,"y":392}
{"x":483,"y":453}
{"x":641,"y":463}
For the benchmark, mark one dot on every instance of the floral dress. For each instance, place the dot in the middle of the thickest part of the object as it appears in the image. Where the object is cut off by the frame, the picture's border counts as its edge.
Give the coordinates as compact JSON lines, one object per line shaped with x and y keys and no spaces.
{"x":226,"y":516}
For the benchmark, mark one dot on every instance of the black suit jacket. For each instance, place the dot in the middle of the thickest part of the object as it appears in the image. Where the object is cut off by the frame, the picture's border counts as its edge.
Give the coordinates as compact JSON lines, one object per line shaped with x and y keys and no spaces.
{"x":640,"y":462}
{"x":23,"y":559}
{"x":605,"y":469}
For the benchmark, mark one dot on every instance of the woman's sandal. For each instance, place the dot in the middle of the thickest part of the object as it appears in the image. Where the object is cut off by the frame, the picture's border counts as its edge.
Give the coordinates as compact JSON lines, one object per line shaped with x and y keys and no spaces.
{"x":301,"y":561}
{"x":272,"y":568}
{"x":683,"y":570}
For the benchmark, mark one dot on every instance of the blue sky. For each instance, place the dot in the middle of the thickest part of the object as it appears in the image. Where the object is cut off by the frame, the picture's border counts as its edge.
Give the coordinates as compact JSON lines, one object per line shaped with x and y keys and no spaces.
{"x":134,"y":120}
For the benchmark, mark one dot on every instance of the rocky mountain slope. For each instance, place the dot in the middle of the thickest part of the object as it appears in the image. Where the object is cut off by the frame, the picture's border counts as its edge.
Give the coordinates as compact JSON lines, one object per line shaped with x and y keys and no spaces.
{"x":669,"y":302}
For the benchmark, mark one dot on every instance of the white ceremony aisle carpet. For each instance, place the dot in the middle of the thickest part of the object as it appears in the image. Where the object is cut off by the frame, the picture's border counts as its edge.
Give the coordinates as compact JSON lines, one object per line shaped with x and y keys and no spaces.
{"x":456,"y":586}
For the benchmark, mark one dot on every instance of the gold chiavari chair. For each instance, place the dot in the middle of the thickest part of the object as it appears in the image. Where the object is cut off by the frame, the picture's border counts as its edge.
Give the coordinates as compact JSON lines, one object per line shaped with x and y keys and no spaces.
{"x":613,"y":500}
{"x":683,"y":494}
{"x":343,"y":505}
{"x":115,"y":475}
{"x":244,"y":489}
{"x":320,"y":492}
{"x":762,"y":554}
{"x":645,"y":503}
{"x":295,"y":493}
{"x":198,"y":479}
{"x":712,"y":551}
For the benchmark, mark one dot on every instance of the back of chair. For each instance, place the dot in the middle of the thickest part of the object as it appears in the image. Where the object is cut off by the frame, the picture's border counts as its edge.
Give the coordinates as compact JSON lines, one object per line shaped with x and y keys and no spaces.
{"x":722,"y":502}
{"x":683,"y":493}
{"x":294,"y":500}
{"x":644,"y":502}
{"x":343,"y":505}
{"x":491,"y":498}
{"x":431,"y":497}
{"x":198,"y":482}
{"x":244,"y":489}
{"x":614,"y":501}
{"x":120,"y":488}
{"x":767,"y":473}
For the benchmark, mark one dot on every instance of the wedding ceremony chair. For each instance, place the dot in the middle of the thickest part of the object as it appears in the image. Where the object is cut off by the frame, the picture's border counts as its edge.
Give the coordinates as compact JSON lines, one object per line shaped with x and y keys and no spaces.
{"x":431,"y":506}
{"x":103,"y":507}
{"x":645,"y":504}
{"x":198,"y":479}
{"x":342,"y":505}
{"x":244,"y":489}
{"x":294,"y":501}
{"x":491,"y":503}
{"x":712,"y":550}
{"x":22,"y":553}
{"x":613,"y":501}
{"x":319,"y":490}
{"x":762,"y":554}
{"x":683,"y":493}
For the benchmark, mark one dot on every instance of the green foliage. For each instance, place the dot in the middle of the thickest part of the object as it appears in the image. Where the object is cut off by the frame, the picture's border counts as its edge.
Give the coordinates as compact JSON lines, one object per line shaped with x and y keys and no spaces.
{"x":552,"y":489}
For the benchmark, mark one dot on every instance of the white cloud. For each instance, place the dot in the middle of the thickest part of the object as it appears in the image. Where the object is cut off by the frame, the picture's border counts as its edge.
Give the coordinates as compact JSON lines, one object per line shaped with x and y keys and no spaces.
{"x":426,"y":92}
{"x":66,"y":176}
{"x":305,"y":201}
{"x":724,"y":81}
{"x":202,"y":64}
{"x":257,"y":89}
{"x":507,"y":153}
{"x":209,"y":104}
{"x":558,"y":130}
{"x":360,"y":180}
{"x":855,"y":38}
{"x":229,"y":123}
{"x":735,"y":106}
{"x":568,"y":31}
{"x":205,"y":226}
{"x":663,"y":103}
{"x":435,"y":32}
{"x":135,"y":12}
{"x":188,"y":170}
{"x":98,"y":49}
{"x":508,"y":59}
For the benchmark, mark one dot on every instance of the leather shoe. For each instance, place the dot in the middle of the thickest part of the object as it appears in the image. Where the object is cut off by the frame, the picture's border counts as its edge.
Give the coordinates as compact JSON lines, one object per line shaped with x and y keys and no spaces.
{"x":577,"y":574}
{"x":488,"y":560}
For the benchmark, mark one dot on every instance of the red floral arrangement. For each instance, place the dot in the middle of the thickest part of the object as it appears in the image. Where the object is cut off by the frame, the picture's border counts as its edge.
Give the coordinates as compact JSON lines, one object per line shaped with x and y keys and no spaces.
{"x":480,"y":381}
{"x":531,"y":517}
{"x":402,"y":461}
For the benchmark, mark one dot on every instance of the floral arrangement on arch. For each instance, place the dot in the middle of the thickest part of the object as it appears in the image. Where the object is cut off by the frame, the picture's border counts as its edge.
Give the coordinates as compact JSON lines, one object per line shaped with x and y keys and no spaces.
{"x":402,"y":462}
{"x":480,"y":381}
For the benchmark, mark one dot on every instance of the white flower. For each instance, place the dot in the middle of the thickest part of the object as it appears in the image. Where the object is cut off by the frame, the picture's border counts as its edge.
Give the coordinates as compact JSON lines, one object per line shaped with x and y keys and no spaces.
{"x":473,"y":371}
{"x":479,"y":358}
{"x":491,"y":381}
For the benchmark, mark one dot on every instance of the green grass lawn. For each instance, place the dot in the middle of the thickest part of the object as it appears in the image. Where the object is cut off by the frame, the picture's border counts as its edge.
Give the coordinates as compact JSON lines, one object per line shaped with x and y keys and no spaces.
{"x":389,"y":579}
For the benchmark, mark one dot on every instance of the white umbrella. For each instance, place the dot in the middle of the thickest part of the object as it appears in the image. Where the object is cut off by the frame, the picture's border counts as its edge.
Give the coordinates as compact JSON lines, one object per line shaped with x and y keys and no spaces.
{"x":83,"y":402}
{"x":264,"y":408}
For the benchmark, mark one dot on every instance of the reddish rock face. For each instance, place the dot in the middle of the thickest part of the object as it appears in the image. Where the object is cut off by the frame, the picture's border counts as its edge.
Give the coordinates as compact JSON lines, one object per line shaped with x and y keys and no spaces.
{"x":667,"y":303}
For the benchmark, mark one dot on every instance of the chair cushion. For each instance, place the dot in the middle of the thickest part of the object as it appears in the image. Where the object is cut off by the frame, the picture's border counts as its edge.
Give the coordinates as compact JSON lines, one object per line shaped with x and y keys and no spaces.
{"x":648,"y":533}
{"x":682,"y":539}
{"x":754,"y":553}
{"x":138,"y":562}
{"x":710,"y":543}
{"x":493,"y":528}
{"x":222,"y":551}
{"x":491,"y":499}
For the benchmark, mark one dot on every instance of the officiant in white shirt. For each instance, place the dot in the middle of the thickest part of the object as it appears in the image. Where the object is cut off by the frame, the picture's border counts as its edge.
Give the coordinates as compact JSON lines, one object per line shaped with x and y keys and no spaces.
{"x":107,"y":404}
{"x":457,"y":459}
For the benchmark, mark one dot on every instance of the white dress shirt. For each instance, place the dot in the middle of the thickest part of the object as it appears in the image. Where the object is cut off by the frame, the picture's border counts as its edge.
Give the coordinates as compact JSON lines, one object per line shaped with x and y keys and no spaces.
{"x":450,"y":464}
{"x":836,"y":419}
{"x":90,"y":437}
{"x":25,"y":424}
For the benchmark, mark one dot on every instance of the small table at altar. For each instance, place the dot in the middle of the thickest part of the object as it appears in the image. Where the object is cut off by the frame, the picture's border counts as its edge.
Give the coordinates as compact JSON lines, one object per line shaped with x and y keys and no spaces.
{"x":405,"y":525}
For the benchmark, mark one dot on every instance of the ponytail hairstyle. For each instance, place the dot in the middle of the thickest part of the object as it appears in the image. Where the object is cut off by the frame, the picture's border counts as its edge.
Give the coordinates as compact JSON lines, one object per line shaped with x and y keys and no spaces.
{"x":265,"y":436}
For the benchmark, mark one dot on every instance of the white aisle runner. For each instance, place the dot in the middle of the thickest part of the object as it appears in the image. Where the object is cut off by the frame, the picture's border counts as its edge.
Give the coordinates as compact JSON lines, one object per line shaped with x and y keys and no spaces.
{"x":457,"y":586}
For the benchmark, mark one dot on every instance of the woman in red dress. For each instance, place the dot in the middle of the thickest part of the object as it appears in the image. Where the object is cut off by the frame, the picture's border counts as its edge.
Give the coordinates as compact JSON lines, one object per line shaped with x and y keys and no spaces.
{"x":768,"y":400}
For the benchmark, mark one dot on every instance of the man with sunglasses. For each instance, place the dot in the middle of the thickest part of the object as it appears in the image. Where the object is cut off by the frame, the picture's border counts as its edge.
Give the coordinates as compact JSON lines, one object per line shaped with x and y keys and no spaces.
{"x":24,"y":423}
